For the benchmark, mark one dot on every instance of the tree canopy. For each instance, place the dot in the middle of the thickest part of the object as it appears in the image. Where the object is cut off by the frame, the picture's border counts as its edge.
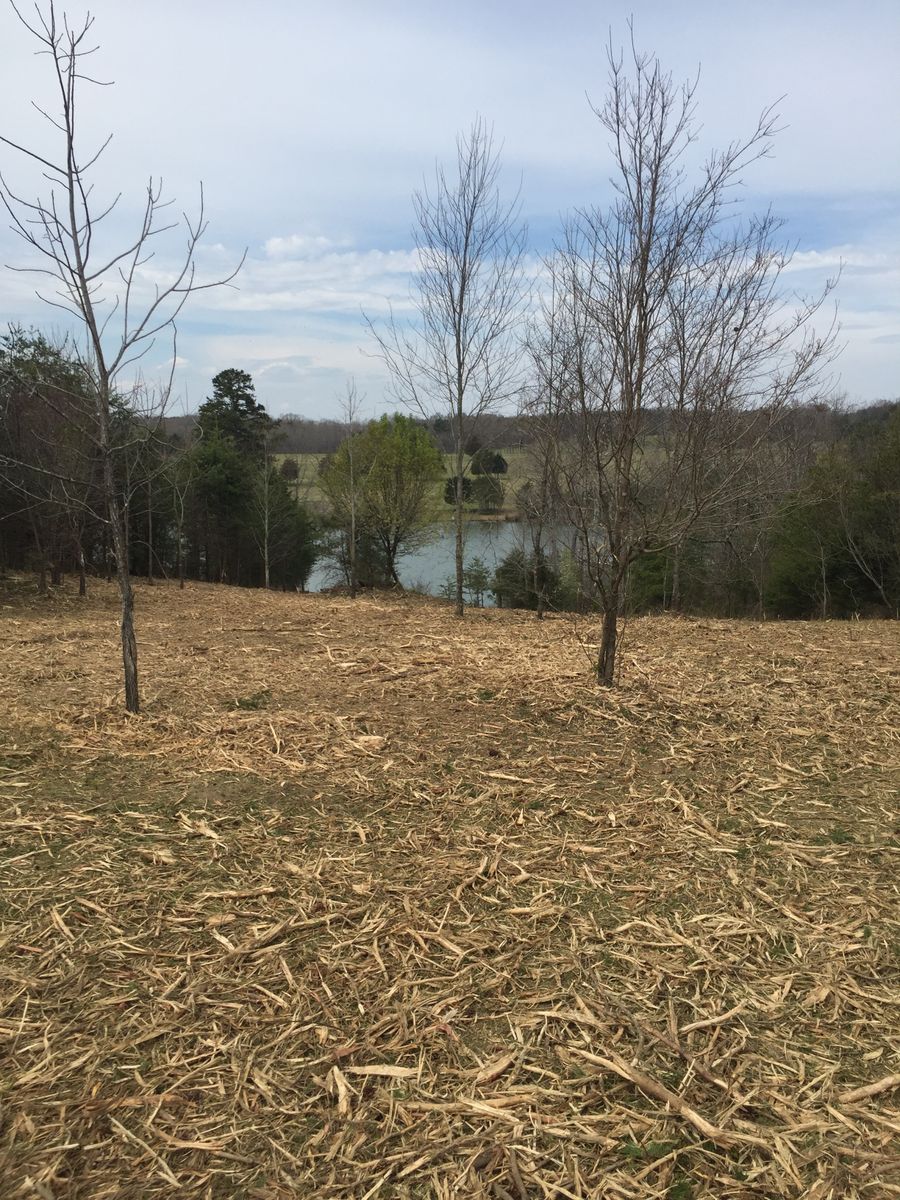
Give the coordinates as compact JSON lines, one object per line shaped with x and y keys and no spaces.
{"x":389,"y":470}
{"x":234,"y":413}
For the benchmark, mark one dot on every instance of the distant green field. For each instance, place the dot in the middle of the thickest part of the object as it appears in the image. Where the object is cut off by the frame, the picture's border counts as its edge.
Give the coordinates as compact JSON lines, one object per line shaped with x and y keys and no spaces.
{"x":307,"y":489}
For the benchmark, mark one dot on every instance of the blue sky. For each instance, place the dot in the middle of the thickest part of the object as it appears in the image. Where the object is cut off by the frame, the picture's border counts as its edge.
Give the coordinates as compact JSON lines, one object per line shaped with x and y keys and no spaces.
{"x":311,"y":124}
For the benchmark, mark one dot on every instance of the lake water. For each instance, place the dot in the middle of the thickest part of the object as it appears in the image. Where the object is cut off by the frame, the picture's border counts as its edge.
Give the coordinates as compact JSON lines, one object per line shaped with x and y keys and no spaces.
{"x":429,"y":568}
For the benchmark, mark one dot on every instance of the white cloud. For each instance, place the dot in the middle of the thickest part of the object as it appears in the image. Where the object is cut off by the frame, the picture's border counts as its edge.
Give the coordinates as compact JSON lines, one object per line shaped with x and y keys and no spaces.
{"x":320,"y":280}
{"x":846,"y":258}
{"x":297,"y":245}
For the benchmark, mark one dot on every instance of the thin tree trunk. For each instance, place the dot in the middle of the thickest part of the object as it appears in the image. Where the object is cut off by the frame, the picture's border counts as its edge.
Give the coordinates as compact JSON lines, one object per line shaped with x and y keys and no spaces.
{"x":129,"y":643}
{"x":458,"y":515}
{"x":606,"y":659}
{"x":82,"y":571}
{"x":41,"y":557}
{"x":118,"y":530}
{"x":179,"y":553}
{"x":266,"y":517}
{"x":354,"y":583}
{"x":537,"y":548}
{"x":675,"y":600}
{"x":149,"y":533}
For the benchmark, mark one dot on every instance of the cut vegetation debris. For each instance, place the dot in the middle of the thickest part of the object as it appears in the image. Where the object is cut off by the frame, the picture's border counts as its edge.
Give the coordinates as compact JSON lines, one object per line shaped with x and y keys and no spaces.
{"x":383,"y":936}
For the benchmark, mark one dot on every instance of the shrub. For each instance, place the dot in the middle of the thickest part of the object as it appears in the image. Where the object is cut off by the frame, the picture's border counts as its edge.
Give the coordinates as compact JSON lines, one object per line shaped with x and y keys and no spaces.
{"x":476,"y":581}
{"x":520,"y":578}
{"x":487,"y":493}
{"x":450,"y":489}
{"x":489,"y":462}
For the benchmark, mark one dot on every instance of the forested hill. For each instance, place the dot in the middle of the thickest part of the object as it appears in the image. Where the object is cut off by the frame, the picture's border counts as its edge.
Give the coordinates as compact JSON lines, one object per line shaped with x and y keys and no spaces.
{"x":306,"y":435}
{"x":302,"y":435}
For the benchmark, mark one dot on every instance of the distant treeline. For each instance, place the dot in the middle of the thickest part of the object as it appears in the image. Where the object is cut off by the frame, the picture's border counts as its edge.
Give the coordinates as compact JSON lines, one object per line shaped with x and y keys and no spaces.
{"x":292,"y":434}
{"x":304,"y":435}
{"x":813,"y":532}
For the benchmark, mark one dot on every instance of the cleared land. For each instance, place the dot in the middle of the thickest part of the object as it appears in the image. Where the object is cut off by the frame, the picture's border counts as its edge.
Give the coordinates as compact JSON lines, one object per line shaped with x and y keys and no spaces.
{"x":370,"y":902}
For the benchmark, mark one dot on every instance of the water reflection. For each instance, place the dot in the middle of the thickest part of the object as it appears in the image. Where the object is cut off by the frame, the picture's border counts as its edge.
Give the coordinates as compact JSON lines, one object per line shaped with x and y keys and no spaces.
{"x":429,"y":568}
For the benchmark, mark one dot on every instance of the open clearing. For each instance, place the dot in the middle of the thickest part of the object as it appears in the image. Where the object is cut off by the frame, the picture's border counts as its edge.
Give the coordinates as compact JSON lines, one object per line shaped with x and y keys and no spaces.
{"x":370,"y":902}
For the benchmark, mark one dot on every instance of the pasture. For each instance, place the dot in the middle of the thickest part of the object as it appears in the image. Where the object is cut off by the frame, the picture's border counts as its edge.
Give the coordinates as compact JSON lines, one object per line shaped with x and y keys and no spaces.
{"x":307,"y":489}
{"x":369,"y":902}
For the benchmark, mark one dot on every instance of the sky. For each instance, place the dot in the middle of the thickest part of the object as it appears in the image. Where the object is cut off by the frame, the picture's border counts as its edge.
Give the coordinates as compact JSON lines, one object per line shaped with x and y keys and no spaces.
{"x":310,"y":124}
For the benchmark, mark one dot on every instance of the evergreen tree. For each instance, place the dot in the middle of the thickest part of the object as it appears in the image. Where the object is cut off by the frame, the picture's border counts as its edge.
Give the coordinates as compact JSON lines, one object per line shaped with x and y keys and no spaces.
{"x":234,"y":413}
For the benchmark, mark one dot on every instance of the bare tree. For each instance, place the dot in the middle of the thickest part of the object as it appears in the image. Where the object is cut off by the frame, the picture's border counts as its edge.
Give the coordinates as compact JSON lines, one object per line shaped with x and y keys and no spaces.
{"x":107,"y":291}
{"x":681,"y":355}
{"x":461,"y":356}
{"x":262,"y":511}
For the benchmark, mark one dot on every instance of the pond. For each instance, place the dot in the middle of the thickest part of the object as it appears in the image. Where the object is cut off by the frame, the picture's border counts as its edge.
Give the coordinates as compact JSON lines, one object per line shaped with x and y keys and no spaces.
{"x":429,"y":568}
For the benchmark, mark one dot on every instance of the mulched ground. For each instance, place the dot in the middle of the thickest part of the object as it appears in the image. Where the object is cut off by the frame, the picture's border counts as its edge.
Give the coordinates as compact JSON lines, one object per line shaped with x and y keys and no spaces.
{"x":372,"y":902}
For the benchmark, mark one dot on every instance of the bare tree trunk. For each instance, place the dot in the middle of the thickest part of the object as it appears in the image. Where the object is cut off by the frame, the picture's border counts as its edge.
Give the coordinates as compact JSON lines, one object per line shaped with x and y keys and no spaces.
{"x":82,"y":571}
{"x":539,"y":589}
{"x":129,"y":643}
{"x":266,"y":566}
{"x":41,"y":558}
{"x":458,"y":522}
{"x":150,"y":532}
{"x":118,"y":529}
{"x":675,"y":600}
{"x":537,"y":546}
{"x":267,"y":517}
{"x":354,"y":582}
{"x":606,"y":659}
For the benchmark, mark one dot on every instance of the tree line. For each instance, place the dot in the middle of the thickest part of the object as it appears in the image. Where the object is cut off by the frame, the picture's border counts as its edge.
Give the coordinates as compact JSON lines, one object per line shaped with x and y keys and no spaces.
{"x":216,"y":499}
{"x":210,"y":506}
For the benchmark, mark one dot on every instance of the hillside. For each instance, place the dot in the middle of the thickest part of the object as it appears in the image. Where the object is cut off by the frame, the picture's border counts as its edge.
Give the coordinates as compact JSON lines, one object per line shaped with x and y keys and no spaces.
{"x":371,"y":902}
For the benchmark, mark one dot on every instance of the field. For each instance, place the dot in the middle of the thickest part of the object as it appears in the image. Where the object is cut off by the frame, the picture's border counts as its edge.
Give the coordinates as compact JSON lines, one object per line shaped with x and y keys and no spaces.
{"x":307,"y":486}
{"x":371,"y":902}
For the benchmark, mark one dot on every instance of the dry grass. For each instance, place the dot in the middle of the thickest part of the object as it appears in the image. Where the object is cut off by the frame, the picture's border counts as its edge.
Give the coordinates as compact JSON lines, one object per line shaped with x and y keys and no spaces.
{"x":369,"y":902}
